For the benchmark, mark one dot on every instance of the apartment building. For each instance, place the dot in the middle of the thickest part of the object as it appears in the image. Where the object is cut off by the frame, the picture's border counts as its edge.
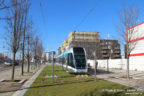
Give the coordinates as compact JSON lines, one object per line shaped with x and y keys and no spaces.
{"x":91,"y":42}
{"x":109,"y":49}
{"x":87,"y":40}
{"x":81,"y":36}
{"x":63,"y":47}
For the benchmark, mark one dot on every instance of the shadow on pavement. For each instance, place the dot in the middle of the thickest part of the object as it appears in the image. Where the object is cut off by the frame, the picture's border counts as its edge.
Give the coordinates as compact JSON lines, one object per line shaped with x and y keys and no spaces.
{"x":98,"y":72}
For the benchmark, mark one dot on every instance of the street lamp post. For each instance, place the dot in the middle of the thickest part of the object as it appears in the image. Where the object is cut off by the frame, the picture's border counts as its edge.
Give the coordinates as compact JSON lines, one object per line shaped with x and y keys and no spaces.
{"x":53,"y":53}
{"x":107,"y":57}
{"x":95,"y":62}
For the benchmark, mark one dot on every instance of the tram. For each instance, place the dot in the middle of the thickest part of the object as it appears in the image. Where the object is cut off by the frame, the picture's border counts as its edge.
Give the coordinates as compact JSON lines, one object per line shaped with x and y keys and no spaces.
{"x":74,"y":60}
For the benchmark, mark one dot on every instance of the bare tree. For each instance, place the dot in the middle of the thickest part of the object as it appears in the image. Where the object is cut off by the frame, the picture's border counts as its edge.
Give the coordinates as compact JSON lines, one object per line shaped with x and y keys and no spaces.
{"x":15,"y":28}
{"x":128,"y":17}
{"x":40,"y":51}
{"x":3,"y":5}
{"x":28,"y":54}
{"x":35,"y":49}
{"x":26,"y":25}
{"x":45,"y":58}
{"x":29,"y":43}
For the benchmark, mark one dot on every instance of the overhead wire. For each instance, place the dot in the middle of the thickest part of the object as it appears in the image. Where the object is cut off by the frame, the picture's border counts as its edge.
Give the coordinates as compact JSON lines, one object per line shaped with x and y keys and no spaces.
{"x":87,"y":15}
{"x":42,"y":14}
{"x":43,"y":18}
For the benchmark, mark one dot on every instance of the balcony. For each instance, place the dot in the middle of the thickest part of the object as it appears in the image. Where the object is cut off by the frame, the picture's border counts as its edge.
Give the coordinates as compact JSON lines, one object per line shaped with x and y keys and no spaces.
{"x":117,"y":48}
{"x":104,"y":47}
{"x":116,"y":55}
{"x":105,"y":56}
{"x":116,"y":51}
{"x":104,"y":51}
{"x":102,"y":44}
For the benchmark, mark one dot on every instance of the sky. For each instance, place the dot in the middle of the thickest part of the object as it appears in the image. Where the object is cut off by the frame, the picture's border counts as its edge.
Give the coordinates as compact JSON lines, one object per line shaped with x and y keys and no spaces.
{"x":55,"y":19}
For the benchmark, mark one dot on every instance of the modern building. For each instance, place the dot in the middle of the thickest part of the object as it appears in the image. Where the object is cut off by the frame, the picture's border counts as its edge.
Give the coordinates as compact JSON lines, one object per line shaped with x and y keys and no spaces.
{"x":91,"y":42}
{"x":64,"y":45}
{"x":136,"y":47}
{"x":81,"y":36}
{"x":87,"y":40}
{"x":109,"y":49}
{"x":48,"y":56}
{"x":136,"y":43}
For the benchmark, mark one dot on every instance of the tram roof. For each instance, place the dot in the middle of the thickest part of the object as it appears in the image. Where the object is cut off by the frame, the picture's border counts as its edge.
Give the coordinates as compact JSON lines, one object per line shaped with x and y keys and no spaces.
{"x":65,"y":53}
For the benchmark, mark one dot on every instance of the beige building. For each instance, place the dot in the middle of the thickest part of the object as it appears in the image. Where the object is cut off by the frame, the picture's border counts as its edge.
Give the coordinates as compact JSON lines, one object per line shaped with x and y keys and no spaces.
{"x":87,"y":40}
{"x":81,"y":36}
{"x":92,"y":43}
{"x":63,"y":46}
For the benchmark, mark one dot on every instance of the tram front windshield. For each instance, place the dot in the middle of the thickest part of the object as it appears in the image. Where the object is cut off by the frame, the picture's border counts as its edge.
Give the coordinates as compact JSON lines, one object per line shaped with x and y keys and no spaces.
{"x":79,"y":58}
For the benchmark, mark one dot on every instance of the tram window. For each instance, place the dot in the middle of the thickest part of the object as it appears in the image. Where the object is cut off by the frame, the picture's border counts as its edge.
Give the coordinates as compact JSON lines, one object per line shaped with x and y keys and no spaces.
{"x":71,"y":63}
{"x":61,"y":61}
{"x":79,"y":57}
{"x":64,"y":59}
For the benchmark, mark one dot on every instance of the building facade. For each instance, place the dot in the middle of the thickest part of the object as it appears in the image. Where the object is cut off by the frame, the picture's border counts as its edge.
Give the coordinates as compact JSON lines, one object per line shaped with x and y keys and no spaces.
{"x":136,"y":42}
{"x":48,"y":56}
{"x":63,"y":47}
{"x":87,"y":40}
{"x":109,"y":49}
{"x":92,"y":43}
{"x":81,"y":36}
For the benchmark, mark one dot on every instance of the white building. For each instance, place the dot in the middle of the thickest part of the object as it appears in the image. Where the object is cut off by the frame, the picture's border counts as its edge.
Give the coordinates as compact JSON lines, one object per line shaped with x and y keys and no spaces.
{"x":138,"y":39}
{"x":136,"y":56}
{"x":48,"y":56}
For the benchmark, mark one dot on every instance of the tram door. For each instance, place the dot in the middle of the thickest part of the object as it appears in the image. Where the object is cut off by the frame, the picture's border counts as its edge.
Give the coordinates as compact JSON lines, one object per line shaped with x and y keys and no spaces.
{"x":67,"y":61}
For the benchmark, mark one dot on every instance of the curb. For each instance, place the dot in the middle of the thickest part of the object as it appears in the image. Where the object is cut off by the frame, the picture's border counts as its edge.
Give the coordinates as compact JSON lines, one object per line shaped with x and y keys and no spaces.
{"x":26,"y":86}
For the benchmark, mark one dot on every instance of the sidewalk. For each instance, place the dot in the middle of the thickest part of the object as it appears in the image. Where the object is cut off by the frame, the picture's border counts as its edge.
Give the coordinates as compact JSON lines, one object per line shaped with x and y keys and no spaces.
{"x":26,"y":85}
{"x":117,"y":76}
{"x":8,"y":88}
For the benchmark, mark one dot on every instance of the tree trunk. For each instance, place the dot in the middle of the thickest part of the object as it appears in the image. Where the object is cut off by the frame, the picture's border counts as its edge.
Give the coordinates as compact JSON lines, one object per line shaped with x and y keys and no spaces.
{"x":13,"y":66}
{"x":35,"y":58}
{"x":127,"y":67}
{"x":28,"y":56}
{"x":28,"y":64}
{"x":22,"y":59}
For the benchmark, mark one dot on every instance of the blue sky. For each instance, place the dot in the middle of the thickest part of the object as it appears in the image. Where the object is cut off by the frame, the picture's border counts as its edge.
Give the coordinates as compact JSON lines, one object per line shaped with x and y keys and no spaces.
{"x":55,"y":19}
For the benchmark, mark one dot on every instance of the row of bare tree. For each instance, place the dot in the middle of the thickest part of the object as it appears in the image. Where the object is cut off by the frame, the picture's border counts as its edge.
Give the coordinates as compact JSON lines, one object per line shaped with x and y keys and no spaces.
{"x":19,"y":34}
{"x":18,"y":29}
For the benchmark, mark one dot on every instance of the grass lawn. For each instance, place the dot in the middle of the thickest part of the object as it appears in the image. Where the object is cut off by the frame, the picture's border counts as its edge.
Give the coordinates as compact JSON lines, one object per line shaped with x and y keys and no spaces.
{"x":69,"y":85}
